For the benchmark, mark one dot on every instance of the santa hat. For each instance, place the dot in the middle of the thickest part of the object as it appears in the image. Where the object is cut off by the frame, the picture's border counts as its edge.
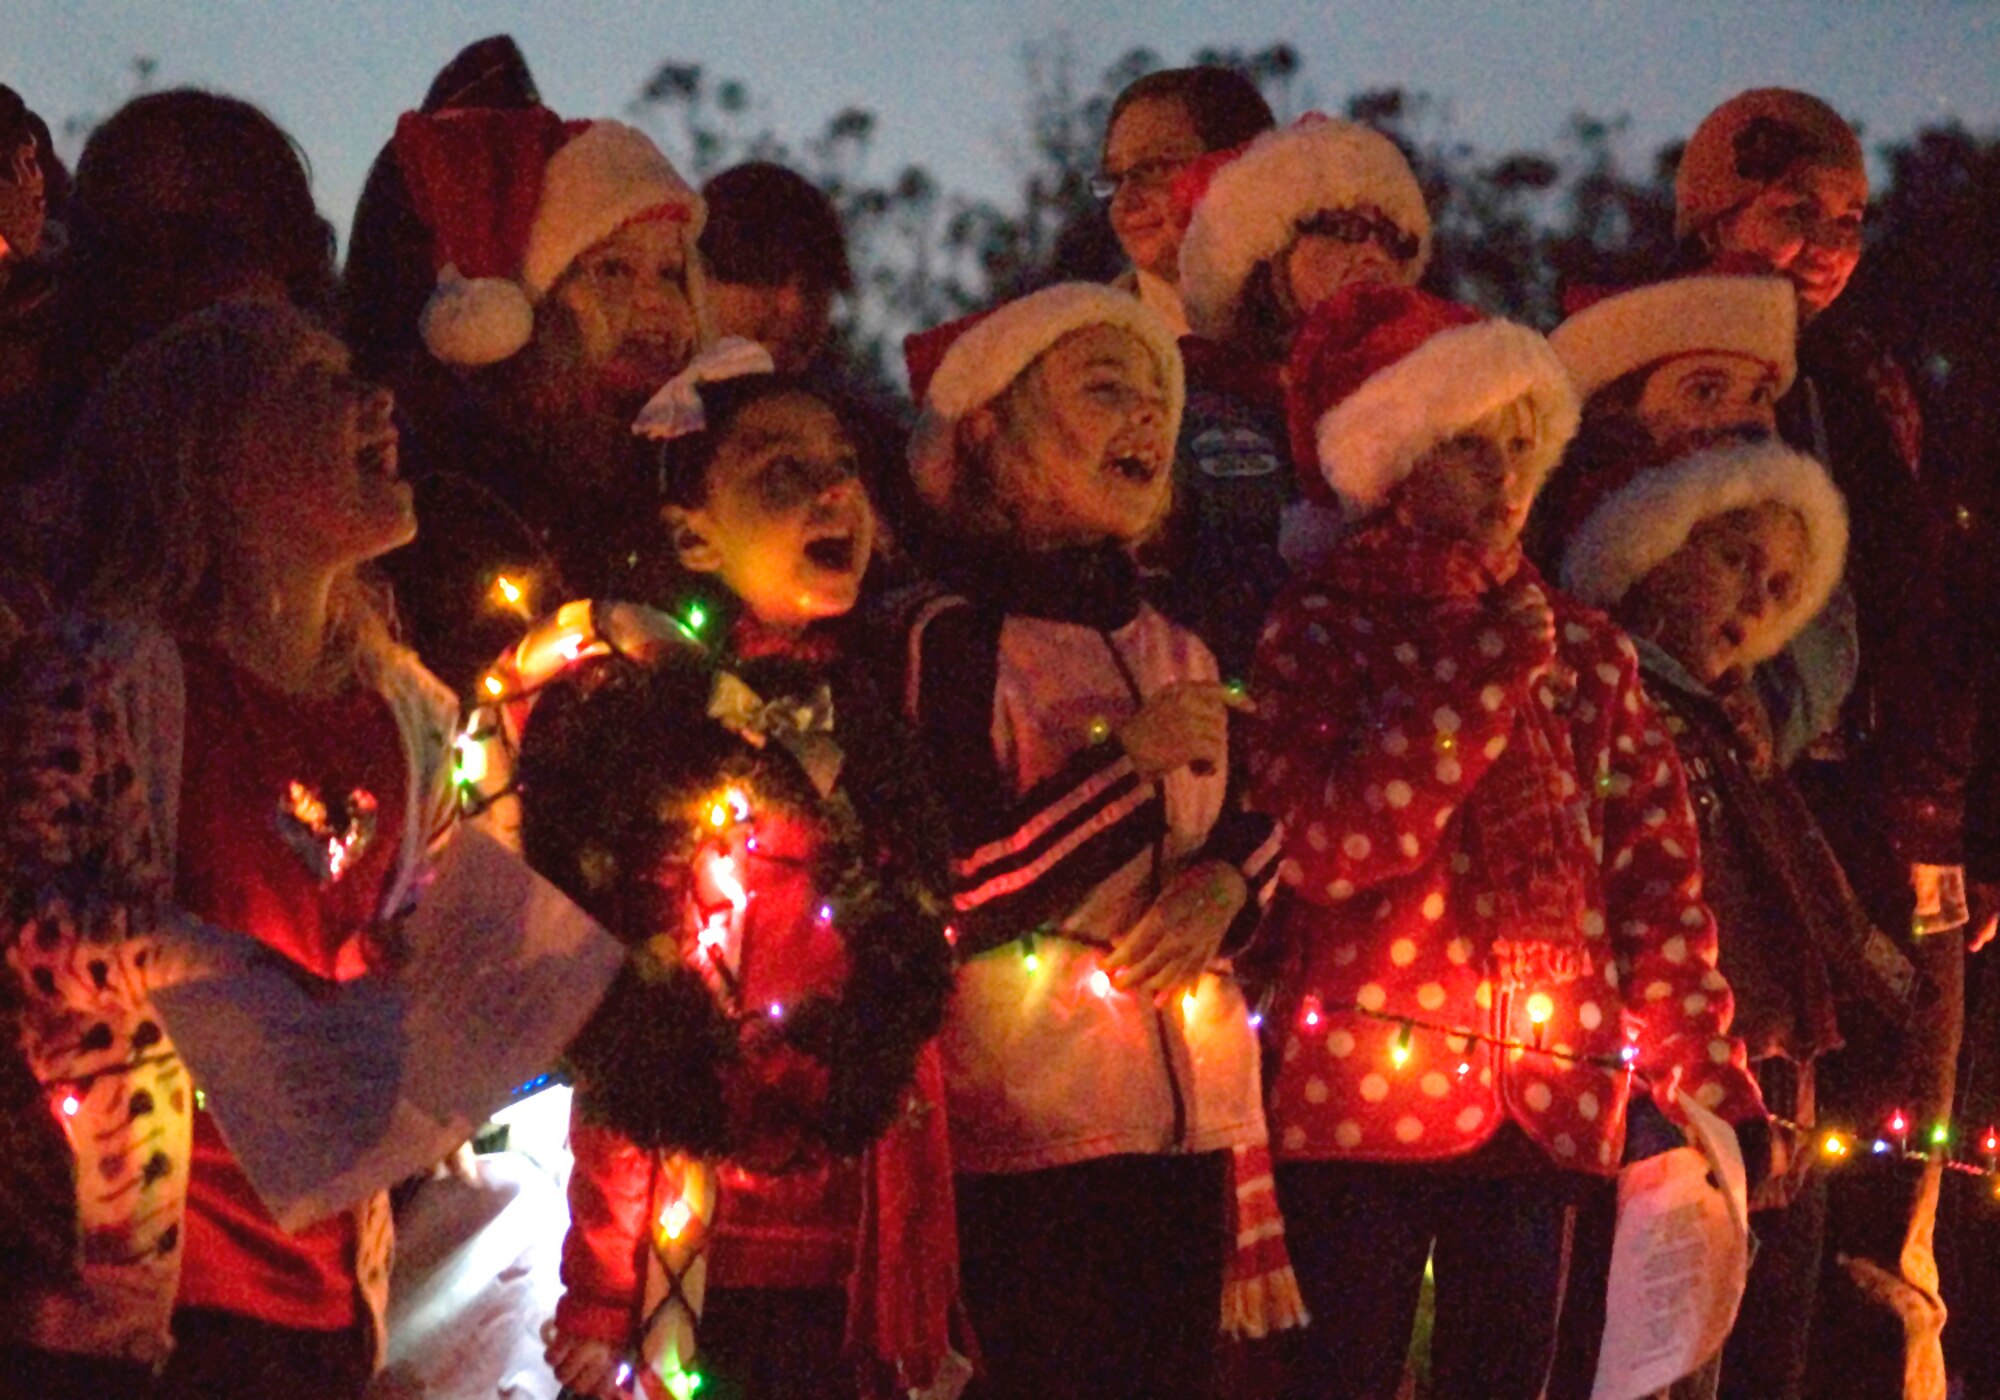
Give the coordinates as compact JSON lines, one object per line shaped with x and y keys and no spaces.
{"x":1643,"y":523}
{"x":511,"y":198}
{"x":965,"y":364}
{"x":1755,"y":317}
{"x":1246,"y":205}
{"x":1380,"y":375}
{"x":1750,"y":143}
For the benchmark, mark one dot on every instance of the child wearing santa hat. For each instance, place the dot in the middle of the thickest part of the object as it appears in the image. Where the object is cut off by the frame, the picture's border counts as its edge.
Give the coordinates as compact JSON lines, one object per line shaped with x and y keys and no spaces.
{"x":1498,"y":903}
{"x":568,"y":291}
{"x":1669,"y":369}
{"x":1106,"y":1118}
{"x":761,"y":1199}
{"x":1274,"y":227}
{"x":1712,"y":563}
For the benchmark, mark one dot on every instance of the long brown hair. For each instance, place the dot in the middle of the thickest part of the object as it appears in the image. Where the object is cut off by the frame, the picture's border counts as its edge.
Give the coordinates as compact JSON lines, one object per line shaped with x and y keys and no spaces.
{"x":145,"y":528}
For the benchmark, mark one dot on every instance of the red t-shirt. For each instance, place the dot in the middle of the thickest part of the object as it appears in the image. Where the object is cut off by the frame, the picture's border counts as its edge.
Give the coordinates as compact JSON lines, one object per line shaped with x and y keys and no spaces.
{"x":242,"y":867}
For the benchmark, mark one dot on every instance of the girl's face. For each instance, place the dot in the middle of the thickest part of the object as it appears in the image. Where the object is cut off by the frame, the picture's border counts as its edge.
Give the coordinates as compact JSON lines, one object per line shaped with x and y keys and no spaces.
{"x":1806,"y":228}
{"x":1693,"y":402}
{"x":787,"y":525}
{"x":1726,"y":592}
{"x":314,"y":474}
{"x":1476,"y":487}
{"x":1078,"y":449}
{"x":1153,"y":140}
{"x":1337,"y":247}
{"x":623,"y":309}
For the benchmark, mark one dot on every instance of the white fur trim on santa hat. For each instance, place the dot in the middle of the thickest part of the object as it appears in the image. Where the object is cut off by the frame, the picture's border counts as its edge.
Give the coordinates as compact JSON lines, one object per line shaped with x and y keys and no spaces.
{"x":607,"y":175}
{"x":981,"y":364}
{"x":1369,"y":440}
{"x":480,"y":321}
{"x":1752,"y":316}
{"x":1641,"y":525}
{"x":1251,"y":209}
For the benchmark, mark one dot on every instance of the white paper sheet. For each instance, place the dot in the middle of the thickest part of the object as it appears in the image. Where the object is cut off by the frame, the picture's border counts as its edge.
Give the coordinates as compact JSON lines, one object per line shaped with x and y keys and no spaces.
{"x":1679,"y":1260}
{"x":329,"y":1092}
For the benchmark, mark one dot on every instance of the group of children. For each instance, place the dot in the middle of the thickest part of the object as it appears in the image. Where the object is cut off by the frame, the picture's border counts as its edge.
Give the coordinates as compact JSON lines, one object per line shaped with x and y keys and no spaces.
{"x":1013,"y":989}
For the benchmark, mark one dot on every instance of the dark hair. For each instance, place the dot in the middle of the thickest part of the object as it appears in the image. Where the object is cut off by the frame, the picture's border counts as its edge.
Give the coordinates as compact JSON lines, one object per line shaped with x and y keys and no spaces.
{"x":20,"y":124}
{"x":768,"y":225}
{"x":1223,"y":104}
{"x":182,"y":197}
{"x":683,"y":462}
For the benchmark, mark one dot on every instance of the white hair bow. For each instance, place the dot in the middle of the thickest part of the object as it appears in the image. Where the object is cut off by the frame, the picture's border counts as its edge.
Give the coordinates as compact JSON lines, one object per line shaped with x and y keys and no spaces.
{"x":676,"y":410}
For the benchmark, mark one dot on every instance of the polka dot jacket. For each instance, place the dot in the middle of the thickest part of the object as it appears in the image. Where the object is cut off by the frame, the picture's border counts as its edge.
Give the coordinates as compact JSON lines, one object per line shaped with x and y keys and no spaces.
{"x":1380,"y":715}
{"x":92,"y":733}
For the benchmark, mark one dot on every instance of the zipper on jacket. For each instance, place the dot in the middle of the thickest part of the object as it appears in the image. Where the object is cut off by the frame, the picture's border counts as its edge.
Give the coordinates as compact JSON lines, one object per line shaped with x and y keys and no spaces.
{"x":1177,"y":1141}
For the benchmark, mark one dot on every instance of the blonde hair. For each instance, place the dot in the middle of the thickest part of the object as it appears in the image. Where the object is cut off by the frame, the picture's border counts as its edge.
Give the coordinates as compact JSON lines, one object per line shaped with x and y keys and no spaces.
{"x":146,"y":534}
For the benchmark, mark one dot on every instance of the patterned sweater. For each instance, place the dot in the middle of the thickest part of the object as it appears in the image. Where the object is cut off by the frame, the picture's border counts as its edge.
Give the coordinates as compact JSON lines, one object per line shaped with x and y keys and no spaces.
{"x":93,"y":742}
{"x":1380,"y":716}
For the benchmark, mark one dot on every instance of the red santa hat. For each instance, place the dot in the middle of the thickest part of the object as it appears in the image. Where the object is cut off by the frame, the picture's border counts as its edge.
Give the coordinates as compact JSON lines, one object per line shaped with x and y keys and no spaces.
{"x":1755,"y":317}
{"x":512,"y":197}
{"x":1245,"y":205}
{"x":1380,"y":375}
{"x":1644,"y":522}
{"x":965,"y":364}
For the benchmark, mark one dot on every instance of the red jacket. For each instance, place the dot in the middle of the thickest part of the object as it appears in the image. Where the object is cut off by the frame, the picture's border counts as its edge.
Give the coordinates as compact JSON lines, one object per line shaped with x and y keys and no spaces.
{"x":1380,"y":714}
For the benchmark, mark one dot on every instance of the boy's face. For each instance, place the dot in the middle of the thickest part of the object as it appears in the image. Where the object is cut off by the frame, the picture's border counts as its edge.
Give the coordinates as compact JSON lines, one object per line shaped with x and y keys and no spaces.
{"x":787,"y":524}
{"x":1694,"y":402}
{"x":793,"y":319}
{"x":1078,"y":446}
{"x":1476,"y":487}
{"x":1727,"y":591}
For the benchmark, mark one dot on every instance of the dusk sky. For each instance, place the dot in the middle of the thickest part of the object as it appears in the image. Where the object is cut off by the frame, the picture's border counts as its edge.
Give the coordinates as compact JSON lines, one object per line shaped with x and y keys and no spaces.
{"x":945,"y":75}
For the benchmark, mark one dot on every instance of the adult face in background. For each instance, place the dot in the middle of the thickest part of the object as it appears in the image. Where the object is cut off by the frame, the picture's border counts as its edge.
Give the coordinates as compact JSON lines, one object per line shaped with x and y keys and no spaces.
{"x":1806,"y":228}
{"x":1152,"y":141}
{"x":792,"y":318}
{"x":1336,"y":248}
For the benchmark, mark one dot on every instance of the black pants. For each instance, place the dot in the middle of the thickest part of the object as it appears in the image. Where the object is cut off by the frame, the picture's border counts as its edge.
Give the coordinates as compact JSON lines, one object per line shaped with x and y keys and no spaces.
{"x":217,"y":1356}
{"x":1360,"y":1235}
{"x":1099,"y":1281}
{"x":775,"y":1344}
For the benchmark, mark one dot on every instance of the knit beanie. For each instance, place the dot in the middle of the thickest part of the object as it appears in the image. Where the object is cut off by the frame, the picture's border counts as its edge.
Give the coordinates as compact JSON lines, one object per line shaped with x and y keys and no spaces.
{"x":1380,"y":375}
{"x":965,"y":364}
{"x":1751,"y":142}
{"x":511,"y":198}
{"x":1645,"y":522}
{"x":1243,"y":206}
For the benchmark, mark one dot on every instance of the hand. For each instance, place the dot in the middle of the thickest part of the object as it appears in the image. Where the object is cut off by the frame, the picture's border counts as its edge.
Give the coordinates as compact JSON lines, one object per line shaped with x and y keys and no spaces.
{"x":1529,"y":613}
{"x":1174,"y":941}
{"x":1985,"y":920}
{"x":1182,"y":726}
{"x":584,"y":1366}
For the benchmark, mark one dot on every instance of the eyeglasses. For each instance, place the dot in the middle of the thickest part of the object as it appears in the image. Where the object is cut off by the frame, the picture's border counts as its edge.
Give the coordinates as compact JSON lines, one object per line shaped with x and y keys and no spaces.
{"x":1143,"y":175}
{"x":1353,"y":226}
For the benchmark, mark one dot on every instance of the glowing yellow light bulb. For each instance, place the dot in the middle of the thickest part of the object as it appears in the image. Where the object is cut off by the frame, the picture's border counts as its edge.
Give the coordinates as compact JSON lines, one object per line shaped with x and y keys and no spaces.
{"x":674,"y":1219}
{"x":1188,"y":1006}
{"x":1540,"y":1008}
{"x":1100,"y":982}
{"x":718,"y":815}
{"x":1399,"y":1049}
{"x":494,"y":686}
{"x":1833,"y":1145}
